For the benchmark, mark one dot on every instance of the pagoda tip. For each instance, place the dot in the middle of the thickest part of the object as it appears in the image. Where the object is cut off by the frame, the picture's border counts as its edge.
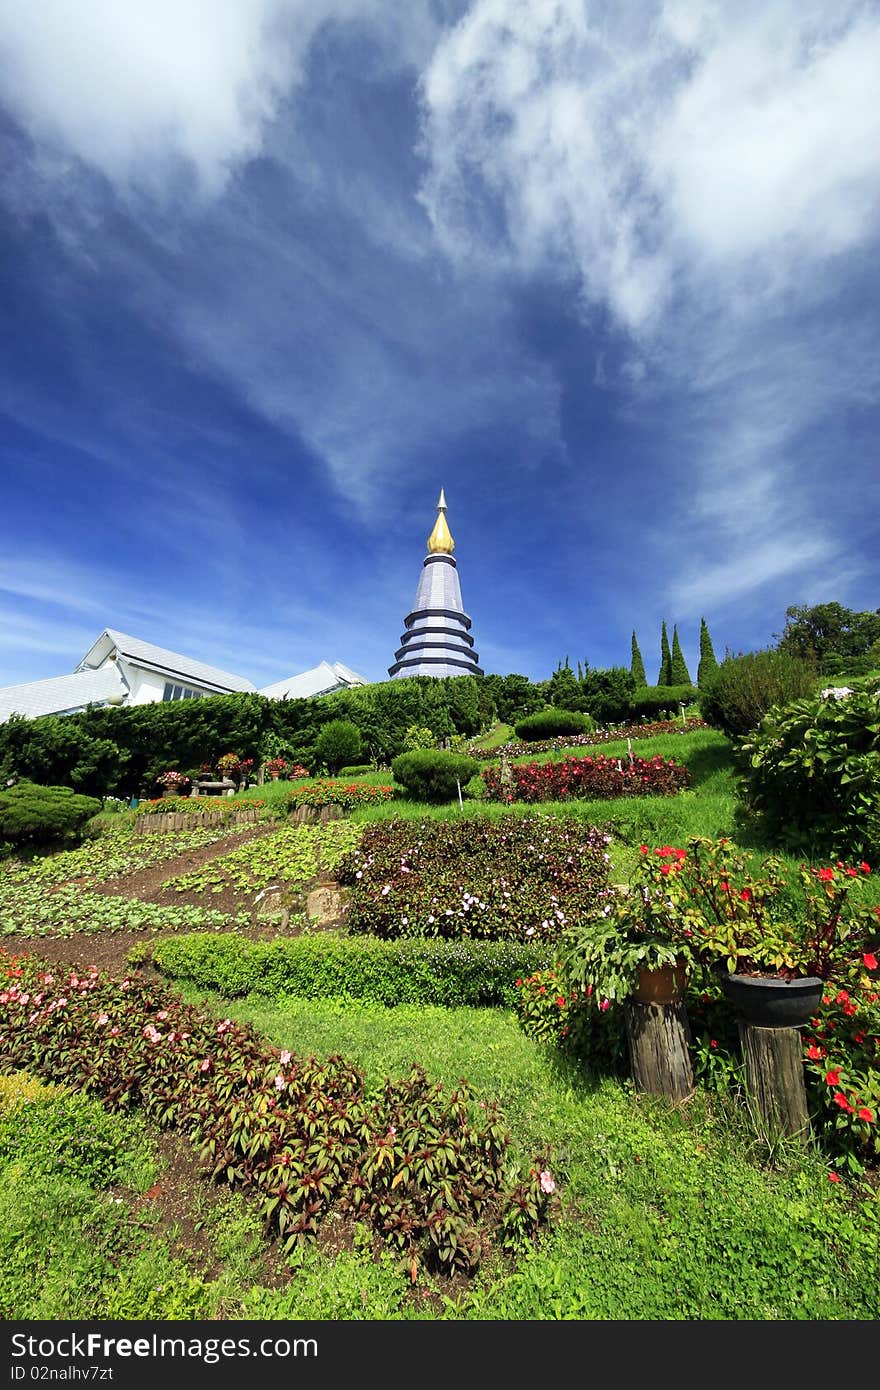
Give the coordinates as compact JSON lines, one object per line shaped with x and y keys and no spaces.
{"x":441,"y":505}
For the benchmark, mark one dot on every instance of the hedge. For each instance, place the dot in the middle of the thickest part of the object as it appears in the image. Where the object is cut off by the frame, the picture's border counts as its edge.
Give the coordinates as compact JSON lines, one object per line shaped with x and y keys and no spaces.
{"x":449,"y":974}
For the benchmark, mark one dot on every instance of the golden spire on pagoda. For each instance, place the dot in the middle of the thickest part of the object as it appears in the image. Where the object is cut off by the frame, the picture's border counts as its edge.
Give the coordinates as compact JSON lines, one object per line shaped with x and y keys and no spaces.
{"x":440,"y":541}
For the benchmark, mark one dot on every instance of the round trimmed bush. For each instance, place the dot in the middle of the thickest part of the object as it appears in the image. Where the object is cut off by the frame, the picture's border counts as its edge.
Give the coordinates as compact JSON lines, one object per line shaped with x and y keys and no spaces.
{"x":34,"y":817}
{"x":430,"y":774}
{"x":551,"y":723}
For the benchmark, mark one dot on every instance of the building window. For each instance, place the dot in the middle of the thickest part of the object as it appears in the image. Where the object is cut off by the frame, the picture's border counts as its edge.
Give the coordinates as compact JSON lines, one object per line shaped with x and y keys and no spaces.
{"x":180,"y":692}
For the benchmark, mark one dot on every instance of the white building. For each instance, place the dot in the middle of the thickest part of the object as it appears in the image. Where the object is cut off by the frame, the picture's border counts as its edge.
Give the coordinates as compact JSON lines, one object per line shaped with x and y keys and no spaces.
{"x":122,"y":670}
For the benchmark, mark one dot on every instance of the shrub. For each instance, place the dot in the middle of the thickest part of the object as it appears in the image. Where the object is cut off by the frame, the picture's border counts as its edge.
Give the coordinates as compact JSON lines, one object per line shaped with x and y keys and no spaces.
{"x":586,"y":779}
{"x":517,"y":877}
{"x":34,"y":817}
{"x":339,"y":742}
{"x":430,"y":1173}
{"x":548,"y":723}
{"x":576,"y":1021}
{"x":432,"y":774}
{"x":653,"y":700}
{"x":748,"y":686}
{"x":449,"y":974}
{"x":811,"y":772}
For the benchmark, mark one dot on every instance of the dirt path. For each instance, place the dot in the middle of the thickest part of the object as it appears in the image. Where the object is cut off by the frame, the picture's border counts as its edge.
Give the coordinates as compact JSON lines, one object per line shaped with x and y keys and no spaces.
{"x":107,"y":950}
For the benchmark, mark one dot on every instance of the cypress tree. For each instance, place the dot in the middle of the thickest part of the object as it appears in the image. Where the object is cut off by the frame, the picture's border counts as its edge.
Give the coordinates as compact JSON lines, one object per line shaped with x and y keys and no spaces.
{"x":664,"y":676}
{"x":637,"y":666}
{"x":679,"y":674}
{"x":708,"y":665}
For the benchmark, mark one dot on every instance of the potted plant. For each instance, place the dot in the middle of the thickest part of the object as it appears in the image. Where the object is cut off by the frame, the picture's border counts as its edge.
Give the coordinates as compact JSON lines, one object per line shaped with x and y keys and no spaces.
{"x":227,"y":765}
{"x":774,"y":935}
{"x":639,"y":945}
{"x":274,"y":767}
{"x":172,"y":782}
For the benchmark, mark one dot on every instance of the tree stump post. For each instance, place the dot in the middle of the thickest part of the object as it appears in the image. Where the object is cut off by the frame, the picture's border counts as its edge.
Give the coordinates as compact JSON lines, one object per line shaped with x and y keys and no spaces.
{"x":775,"y":1080}
{"x":658,"y":1037}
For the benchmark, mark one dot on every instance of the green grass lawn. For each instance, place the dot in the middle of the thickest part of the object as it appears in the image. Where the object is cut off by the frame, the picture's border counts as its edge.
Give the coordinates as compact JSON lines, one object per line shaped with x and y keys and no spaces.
{"x":667,"y":1213}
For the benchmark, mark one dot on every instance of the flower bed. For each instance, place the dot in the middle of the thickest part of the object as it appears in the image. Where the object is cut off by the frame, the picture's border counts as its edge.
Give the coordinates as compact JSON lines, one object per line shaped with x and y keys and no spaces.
{"x":430,"y":1173}
{"x":518,"y":749}
{"x":586,"y":779}
{"x":344,"y":794}
{"x":524,"y":876}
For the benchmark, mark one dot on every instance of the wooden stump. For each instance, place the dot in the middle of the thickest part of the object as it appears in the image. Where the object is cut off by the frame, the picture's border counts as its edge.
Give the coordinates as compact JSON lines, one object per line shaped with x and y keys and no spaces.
{"x":658,"y":1036}
{"x":775,"y":1080}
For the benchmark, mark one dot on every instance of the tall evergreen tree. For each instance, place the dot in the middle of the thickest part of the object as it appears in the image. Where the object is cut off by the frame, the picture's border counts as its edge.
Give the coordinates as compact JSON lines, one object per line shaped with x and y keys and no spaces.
{"x":679,"y":674}
{"x":637,"y":665}
{"x":708,"y":665}
{"x":664,"y":676}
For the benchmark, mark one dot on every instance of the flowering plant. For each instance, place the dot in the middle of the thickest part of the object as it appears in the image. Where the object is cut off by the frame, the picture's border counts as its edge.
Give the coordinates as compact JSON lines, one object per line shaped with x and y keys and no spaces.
{"x":227,"y":763}
{"x":766,"y":921}
{"x":274,"y":765}
{"x":171,"y":779}
{"x":633,"y":928}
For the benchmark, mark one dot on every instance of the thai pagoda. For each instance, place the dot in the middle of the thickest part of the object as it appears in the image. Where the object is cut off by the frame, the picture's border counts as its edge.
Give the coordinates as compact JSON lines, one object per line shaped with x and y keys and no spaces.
{"x":437,"y":640}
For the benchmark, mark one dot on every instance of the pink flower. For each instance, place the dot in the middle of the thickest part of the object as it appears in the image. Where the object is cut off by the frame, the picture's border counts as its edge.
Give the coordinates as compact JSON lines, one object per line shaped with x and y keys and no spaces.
{"x":604,"y":1004}
{"x":547,"y":1183}
{"x":285,"y":1058}
{"x":114,"y":1032}
{"x":280,"y":1083}
{"x":162,"y":1015}
{"x":205,"y":1064}
{"x":101,"y":1020}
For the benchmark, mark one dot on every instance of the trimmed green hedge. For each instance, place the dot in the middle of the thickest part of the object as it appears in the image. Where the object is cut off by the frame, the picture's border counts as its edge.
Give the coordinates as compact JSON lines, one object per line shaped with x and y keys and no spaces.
{"x":406,"y":971}
{"x":550,"y":723}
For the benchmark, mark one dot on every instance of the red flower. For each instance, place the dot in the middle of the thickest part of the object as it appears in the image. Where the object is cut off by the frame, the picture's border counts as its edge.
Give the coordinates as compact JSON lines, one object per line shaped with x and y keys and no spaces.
{"x":869,"y":961}
{"x":834,"y":1177}
{"x":841,"y":1100}
{"x":713,"y":1042}
{"x":814,"y":1053}
{"x":725,"y":886}
{"x":866,"y":1114}
{"x":865,"y":868}
{"x":561,"y":1002}
{"x":746,"y":895}
{"x":832,"y":1078}
{"x":825,"y":874}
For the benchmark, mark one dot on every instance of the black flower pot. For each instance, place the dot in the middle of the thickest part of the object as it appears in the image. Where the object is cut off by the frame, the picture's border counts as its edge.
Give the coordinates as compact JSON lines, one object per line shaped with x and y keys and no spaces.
{"x":767,"y":1002}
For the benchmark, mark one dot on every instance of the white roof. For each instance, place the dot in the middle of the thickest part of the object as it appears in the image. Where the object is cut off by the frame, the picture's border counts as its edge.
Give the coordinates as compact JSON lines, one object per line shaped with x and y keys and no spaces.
{"x":320,"y":680}
{"x":60,"y":694}
{"x":169,"y":663}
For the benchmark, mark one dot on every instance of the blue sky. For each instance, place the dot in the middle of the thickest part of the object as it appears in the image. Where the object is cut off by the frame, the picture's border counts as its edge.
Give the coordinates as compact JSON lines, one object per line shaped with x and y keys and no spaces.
{"x":273,"y":272}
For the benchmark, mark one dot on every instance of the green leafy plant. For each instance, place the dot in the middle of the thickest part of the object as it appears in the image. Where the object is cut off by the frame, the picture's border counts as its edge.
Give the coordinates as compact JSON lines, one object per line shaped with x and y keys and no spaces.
{"x":429,"y":970}
{"x":550,"y":723}
{"x":338,"y":743}
{"x":746,"y":687}
{"x":431,"y":774}
{"x":811,"y":772}
{"x":34,"y":817}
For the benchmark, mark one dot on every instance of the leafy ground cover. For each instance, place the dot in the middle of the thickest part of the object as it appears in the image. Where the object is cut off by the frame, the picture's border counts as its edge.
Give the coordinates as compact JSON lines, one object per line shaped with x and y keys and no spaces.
{"x":293,"y":855}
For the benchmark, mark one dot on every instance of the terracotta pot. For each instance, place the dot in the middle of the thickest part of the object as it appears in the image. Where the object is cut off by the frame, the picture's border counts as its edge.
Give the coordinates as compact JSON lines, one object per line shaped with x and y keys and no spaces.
{"x":274,"y":776}
{"x":767,"y":1002}
{"x":665,"y":985}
